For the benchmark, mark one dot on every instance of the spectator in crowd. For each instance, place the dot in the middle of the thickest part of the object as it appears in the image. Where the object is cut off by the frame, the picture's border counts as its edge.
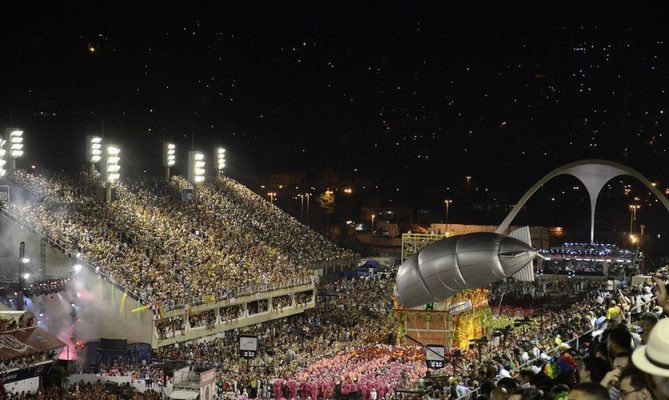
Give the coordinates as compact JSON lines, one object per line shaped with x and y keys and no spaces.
{"x":646,"y":322}
{"x":593,"y":369}
{"x":633,"y":385}
{"x":588,"y":391}
{"x":525,"y":394}
{"x":653,"y":359}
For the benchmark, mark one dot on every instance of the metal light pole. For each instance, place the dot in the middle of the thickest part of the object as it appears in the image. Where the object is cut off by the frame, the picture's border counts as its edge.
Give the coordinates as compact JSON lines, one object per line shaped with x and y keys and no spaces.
{"x":301,"y":196}
{"x":19,"y":295}
{"x":633,"y":208}
{"x":169,"y":158}
{"x":93,"y":153}
{"x":447,"y":202}
{"x":112,"y":169}
{"x":308,"y":196}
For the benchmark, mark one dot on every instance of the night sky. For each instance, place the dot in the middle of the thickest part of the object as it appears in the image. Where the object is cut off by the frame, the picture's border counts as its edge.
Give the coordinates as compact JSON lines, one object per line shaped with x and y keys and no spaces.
{"x":409,"y":98}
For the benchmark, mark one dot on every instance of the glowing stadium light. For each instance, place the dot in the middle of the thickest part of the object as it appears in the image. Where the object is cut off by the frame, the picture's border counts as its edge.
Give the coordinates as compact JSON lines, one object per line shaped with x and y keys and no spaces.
{"x":112,"y":166}
{"x":3,"y":152}
{"x":26,"y":276}
{"x":169,"y":154}
{"x":196,"y":164}
{"x":16,"y":143}
{"x":14,"y":137}
{"x":169,"y":158}
{"x":93,"y":152}
{"x":77,"y":267}
{"x":220,"y":159}
{"x":93,"y":149}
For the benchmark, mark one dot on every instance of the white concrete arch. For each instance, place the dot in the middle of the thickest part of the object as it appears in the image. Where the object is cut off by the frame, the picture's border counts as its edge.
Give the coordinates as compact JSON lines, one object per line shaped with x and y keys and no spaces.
{"x":594,"y":174}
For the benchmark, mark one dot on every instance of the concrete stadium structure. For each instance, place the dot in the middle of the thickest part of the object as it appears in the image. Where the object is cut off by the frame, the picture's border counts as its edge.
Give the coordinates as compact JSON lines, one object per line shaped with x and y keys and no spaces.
{"x":110,"y":311}
{"x":594,"y":174}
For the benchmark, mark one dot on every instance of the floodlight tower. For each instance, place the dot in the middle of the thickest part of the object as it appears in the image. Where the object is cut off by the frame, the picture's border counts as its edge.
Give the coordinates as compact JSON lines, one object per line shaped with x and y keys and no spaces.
{"x":219,"y":154}
{"x":15,"y":146}
{"x":93,"y":152}
{"x":196,"y":169}
{"x":169,"y":158}
{"x":3,"y":152}
{"x":112,"y":169}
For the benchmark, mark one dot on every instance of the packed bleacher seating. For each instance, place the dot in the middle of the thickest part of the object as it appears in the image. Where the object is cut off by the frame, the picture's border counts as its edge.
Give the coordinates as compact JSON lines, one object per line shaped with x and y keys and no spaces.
{"x":596,"y":259}
{"x":160,"y":248}
{"x":87,"y":391}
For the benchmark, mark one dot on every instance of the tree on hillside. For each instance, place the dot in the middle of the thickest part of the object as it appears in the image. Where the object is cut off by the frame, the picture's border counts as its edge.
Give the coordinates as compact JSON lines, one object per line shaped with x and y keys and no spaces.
{"x":326,"y":201}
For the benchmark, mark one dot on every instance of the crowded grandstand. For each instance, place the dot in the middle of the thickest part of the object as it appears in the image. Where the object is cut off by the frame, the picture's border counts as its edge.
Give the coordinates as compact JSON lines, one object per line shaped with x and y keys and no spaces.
{"x":593,"y":259}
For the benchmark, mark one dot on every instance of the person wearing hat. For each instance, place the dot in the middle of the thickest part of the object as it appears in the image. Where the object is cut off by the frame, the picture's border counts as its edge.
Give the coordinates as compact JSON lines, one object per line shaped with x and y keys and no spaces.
{"x":614,"y":314}
{"x":653,"y":359}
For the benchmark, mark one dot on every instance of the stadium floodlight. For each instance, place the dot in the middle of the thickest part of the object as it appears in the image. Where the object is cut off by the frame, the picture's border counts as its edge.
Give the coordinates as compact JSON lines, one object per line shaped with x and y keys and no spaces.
{"x":3,"y":152}
{"x":93,"y":152}
{"x":196,"y":166}
{"x":15,"y":146}
{"x":169,"y":157}
{"x":112,"y":168}
{"x":220,"y":159}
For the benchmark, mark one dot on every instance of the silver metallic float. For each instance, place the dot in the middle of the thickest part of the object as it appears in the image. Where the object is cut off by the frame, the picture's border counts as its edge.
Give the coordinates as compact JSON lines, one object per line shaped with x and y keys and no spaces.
{"x":451,"y":265}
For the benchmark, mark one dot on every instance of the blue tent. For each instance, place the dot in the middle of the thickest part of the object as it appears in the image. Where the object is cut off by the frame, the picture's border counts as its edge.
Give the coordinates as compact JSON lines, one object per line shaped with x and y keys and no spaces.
{"x":356,"y":273}
{"x":372,"y":264}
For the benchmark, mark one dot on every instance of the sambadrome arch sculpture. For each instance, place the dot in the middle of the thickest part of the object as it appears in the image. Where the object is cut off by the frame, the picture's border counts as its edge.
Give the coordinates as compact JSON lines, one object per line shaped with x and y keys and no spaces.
{"x":594,"y":174}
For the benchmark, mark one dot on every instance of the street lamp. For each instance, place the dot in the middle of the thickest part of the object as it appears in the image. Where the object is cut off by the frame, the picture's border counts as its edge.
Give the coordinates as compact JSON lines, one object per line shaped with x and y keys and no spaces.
{"x":220,"y":160}
{"x":447,"y":202}
{"x":15,"y":146}
{"x":373,"y":216}
{"x":169,"y":158}
{"x":272,"y":196}
{"x":112,"y":169}
{"x":93,"y":152}
{"x":633,"y":210}
{"x":301,"y":196}
{"x":308,"y":196}
{"x":634,"y":239}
